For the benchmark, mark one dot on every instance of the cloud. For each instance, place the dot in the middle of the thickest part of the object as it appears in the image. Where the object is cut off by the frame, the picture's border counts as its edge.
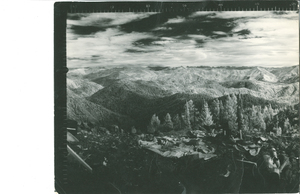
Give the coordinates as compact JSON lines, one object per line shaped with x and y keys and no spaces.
{"x":85,"y":30}
{"x":201,"y":38}
{"x":111,"y":45}
{"x":202,"y":13}
{"x":175,"y":20}
{"x":108,"y":19}
{"x":162,"y":28}
{"x":76,"y":16}
{"x":196,"y":36}
{"x":94,"y":22}
{"x":239,"y":14}
{"x":254,"y":14}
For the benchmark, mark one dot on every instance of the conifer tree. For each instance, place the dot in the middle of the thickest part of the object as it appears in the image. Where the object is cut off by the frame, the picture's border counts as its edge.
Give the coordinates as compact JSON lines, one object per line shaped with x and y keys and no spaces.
{"x":266,"y":114}
{"x":154,"y":124}
{"x":271,"y":110}
{"x":240,"y":118}
{"x":230,"y":116}
{"x":186,"y":116}
{"x":234,"y":103}
{"x":253,"y":117}
{"x":192,"y":111}
{"x":260,"y":121}
{"x":215,"y":109}
{"x":221,"y":114}
{"x":286,"y":126}
{"x":277,"y":129}
{"x":196,"y":118}
{"x":177,"y":122}
{"x":247,"y":118}
{"x":168,"y":122}
{"x":277,"y":121}
{"x":227,"y":104}
{"x":205,"y":116}
{"x":246,"y":122}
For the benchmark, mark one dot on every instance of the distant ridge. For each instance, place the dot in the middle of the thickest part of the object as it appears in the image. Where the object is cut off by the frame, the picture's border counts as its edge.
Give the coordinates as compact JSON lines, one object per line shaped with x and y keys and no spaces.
{"x":131,"y":95}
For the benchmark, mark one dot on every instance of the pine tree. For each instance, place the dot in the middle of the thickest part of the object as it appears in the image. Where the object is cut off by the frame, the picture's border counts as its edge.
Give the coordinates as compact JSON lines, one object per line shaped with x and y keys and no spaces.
{"x":234,"y":102}
{"x":253,"y":118}
{"x":205,"y":116}
{"x":246,"y":122}
{"x":267,"y":117}
{"x":230,"y":116}
{"x":177,"y":122}
{"x":154,"y":124}
{"x":277,"y":129}
{"x":247,"y":118}
{"x":227,"y":104}
{"x":221,"y":114}
{"x":191,"y":111}
{"x":286,"y":126}
{"x":240,"y":118}
{"x":260,"y":120}
{"x":186,"y":116}
{"x":168,"y":125}
{"x":196,"y":123}
{"x":157,"y":122}
{"x":215,"y":109}
{"x":266,"y":114}
{"x":277,"y":121}
{"x":271,"y":111}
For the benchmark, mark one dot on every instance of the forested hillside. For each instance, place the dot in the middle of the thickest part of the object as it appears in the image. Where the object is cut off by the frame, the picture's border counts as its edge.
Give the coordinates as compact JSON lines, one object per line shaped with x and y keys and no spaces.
{"x":129,"y":96}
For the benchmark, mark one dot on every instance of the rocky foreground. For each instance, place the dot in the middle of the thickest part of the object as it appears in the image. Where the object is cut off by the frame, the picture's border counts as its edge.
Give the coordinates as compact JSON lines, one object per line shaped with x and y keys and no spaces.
{"x":183,"y":162}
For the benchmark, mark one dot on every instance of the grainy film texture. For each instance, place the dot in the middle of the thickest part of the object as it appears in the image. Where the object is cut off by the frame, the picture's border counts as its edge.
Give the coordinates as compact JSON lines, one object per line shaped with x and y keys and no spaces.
{"x":183,"y":102}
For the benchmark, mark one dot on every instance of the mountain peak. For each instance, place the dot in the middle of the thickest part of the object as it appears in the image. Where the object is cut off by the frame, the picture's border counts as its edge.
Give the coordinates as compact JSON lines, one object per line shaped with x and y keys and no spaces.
{"x":261,"y":74}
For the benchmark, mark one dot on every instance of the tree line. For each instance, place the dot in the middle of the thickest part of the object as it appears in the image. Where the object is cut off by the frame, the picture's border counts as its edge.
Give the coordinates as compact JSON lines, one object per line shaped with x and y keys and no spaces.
{"x":227,"y":114}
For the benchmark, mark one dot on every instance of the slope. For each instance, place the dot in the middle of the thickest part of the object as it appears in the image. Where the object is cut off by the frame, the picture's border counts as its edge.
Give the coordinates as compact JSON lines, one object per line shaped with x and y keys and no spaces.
{"x":211,"y":81}
{"x":261,"y":74}
{"x":140,"y":108}
{"x":131,"y":95}
{"x":286,"y":74}
{"x":80,"y":109}
{"x":118,"y":99}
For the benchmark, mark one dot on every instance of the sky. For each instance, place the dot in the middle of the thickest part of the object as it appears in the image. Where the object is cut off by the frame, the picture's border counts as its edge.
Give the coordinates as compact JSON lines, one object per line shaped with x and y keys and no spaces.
{"x":249,"y":38}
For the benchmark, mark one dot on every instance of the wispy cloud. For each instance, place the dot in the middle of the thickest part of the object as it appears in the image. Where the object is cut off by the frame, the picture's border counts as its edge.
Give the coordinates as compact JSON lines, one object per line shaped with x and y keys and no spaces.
{"x":108,"y":19}
{"x":175,"y":20}
{"x":202,"y":38}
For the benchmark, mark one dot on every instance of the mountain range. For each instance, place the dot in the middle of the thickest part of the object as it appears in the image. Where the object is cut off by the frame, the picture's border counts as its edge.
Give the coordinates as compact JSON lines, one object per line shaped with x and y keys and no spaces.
{"x":130,"y":95}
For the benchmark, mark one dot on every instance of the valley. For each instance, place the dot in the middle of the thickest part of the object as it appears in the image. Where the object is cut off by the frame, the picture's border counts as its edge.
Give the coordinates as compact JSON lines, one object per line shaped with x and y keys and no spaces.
{"x":130,"y":95}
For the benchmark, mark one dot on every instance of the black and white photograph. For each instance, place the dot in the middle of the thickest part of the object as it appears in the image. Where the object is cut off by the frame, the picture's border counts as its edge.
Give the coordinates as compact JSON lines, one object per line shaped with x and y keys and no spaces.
{"x":182,"y":102}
